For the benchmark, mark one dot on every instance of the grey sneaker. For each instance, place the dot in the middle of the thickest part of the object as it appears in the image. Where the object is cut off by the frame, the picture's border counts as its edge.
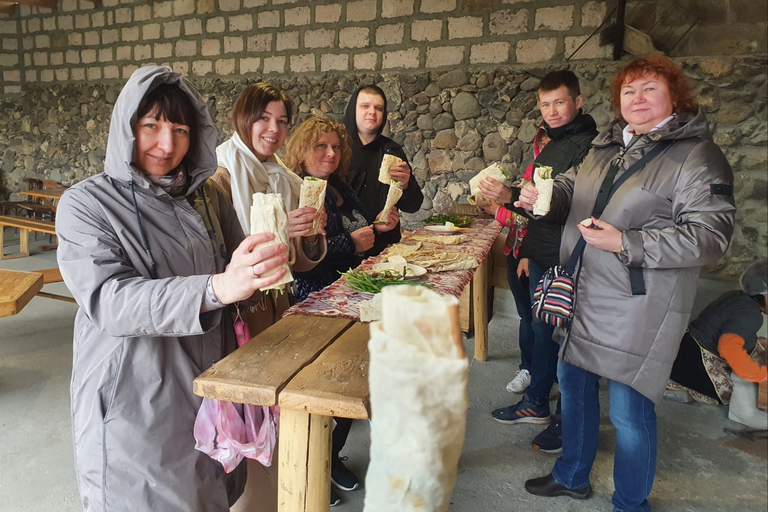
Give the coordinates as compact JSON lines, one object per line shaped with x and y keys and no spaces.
{"x":520,"y":383}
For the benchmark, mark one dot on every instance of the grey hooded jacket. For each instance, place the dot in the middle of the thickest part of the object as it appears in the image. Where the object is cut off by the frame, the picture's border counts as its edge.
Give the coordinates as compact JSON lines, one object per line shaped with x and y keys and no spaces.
{"x":139,"y":342}
{"x":677,"y":214}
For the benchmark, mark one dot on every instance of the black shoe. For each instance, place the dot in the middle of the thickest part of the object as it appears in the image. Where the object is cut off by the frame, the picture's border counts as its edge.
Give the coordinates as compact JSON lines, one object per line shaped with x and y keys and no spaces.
{"x":550,"y":440}
{"x":548,"y":486}
{"x":335,"y":498}
{"x":342,"y":477}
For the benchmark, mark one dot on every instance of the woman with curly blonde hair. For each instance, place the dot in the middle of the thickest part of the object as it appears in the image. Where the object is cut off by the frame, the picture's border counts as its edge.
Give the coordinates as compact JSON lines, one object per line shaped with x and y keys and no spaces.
{"x":320,"y":148}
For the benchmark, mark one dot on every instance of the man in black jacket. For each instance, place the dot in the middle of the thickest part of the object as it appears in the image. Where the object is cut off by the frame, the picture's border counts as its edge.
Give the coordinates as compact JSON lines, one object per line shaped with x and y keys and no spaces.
{"x":570,"y":133}
{"x":364,"y":119}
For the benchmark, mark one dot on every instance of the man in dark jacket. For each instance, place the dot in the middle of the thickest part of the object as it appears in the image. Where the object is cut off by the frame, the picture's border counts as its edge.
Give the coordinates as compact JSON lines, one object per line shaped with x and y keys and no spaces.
{"x":364,"y":119}
{"x":570,"y":133}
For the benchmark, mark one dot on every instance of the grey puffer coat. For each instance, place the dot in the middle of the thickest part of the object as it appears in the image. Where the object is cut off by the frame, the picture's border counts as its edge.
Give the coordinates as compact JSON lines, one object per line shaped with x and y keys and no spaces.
{"x":139,"y":342}
{"x":677,"y":214}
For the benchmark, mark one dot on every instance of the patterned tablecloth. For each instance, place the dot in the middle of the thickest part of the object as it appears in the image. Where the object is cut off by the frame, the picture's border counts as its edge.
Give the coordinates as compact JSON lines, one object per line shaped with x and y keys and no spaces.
{"x":339,"y":300}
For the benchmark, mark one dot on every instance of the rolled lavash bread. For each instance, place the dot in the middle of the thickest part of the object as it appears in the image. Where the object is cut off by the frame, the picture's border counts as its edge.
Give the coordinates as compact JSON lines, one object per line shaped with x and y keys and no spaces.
{"x":393,"y":196}
{"x":268,"y":215}
{"x":387,"y":162}
{"x":542,"y":178}
{"x":418,"y":387}
{"x":312,"y":196}
{"x":492,"y":171}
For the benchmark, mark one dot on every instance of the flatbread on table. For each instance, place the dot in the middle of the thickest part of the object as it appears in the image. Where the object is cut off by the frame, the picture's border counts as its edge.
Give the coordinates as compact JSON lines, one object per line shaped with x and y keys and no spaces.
{"x":393,"y":196}
{"x":442,"y":239}
{"x":418,"y":385}
{"x":440,"y":261}
{"x":404,"y":249}
{"x":542,"y":178}
{"x":312,"y":196}
{"x":268,"y":215}
{"x":387,"y":162}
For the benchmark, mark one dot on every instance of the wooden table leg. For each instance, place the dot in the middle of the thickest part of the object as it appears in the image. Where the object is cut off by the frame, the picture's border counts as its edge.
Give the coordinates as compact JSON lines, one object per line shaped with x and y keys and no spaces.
{"x":304,"y":472}
{"x":23,"y":245}
{"x":480,"y":303}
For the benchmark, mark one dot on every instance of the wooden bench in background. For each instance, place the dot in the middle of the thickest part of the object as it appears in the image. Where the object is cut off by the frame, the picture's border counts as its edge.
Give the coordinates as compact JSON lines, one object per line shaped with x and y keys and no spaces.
{"x":25,"y":225}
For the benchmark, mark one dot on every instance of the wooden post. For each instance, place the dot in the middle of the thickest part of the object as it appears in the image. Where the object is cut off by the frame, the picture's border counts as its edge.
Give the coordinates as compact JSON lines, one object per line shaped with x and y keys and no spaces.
{"x":618,"y":43}
{"x":480,"y":303}
{"x":304,"y":462}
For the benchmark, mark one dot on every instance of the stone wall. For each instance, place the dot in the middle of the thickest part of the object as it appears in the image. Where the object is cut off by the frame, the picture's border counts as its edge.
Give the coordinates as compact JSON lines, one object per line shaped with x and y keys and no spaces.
{"x":451,"y":123}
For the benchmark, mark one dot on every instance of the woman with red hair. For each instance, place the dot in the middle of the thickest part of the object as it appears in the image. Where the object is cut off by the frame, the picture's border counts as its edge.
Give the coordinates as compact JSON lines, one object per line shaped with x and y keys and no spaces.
{"x":636,"y":278}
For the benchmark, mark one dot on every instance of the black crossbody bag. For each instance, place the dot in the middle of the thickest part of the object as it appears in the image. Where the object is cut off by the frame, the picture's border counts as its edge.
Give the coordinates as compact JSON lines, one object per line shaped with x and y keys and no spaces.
{"x":554,"y":296}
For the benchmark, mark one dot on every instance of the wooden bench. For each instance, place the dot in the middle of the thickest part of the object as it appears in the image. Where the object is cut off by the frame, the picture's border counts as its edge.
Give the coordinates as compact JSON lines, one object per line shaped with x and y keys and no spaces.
{"x":24,"y":225}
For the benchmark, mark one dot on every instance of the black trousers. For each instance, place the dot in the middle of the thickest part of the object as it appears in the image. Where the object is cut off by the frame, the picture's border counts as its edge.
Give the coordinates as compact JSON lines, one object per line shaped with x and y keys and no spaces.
{"x":340,"y":434}
{"x":688,"y":368}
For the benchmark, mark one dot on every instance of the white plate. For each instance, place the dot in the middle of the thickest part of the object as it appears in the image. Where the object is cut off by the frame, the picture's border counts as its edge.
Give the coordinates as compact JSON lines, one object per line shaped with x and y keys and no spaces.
{"x":411,"y":271}
{"x":437,"y":228}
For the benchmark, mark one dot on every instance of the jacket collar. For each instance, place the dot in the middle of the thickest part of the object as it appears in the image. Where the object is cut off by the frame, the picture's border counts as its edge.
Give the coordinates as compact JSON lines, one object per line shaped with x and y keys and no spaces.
{"x":684,"y":126}
{"x":580,"y":123}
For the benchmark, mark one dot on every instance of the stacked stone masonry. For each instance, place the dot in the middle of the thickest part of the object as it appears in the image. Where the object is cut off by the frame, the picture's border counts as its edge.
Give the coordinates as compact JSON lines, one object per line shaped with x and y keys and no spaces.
{"x":452,"y":123}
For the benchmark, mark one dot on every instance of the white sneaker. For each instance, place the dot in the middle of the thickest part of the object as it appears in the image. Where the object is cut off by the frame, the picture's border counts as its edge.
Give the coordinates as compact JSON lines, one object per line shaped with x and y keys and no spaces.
{"x":520,"y":383}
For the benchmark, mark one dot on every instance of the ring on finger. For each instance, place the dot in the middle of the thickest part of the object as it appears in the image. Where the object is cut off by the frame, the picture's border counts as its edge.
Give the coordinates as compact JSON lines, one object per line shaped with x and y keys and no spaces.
{"x":253,"y":271}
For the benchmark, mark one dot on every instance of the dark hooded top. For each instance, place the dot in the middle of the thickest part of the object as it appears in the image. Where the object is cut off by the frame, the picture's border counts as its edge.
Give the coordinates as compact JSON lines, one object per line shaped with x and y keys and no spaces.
{"x":568,"y":146}
{"x":363,"y":175}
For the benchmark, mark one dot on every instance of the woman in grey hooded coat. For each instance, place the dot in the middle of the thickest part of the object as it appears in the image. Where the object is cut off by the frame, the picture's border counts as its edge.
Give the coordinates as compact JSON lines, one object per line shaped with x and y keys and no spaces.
{"x":143,"y":248}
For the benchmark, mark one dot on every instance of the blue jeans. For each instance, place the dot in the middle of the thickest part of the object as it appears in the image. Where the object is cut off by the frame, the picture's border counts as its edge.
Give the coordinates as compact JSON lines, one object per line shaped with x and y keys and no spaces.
{"x":522,"y":298}
{"x":545,"y":349}
{"x":634,"y":417}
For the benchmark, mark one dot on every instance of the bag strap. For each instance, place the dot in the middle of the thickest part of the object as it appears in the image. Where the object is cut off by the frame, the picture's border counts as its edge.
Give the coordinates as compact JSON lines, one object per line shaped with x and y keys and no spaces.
{"x":607,"y":189}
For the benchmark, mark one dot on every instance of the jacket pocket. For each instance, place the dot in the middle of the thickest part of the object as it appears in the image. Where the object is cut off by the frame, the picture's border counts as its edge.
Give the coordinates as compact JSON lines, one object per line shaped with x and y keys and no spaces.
{"x":112,"y":375}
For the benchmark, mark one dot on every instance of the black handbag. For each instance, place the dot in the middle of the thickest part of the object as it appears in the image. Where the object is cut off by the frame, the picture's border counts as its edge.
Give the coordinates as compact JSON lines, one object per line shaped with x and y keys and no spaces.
{"x":554,"y":297}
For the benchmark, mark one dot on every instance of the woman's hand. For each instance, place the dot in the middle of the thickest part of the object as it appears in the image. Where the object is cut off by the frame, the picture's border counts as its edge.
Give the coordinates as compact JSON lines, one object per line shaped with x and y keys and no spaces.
{"x":363,"y":238}
{"x":495,"y":191}
{"x":522,"y":268}
{"x":402,"y":173}
{"x":528,"y":196}
{"x":300,"y":221}
{"x":601,"y":235}
{"x":392,"y":220}
{"x":243,"y":275}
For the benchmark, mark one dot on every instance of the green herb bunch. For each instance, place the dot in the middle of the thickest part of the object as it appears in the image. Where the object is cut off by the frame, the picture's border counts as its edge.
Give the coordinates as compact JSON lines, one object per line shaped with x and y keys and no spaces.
{"x":374,"y":282}
{"x":459,"y":222}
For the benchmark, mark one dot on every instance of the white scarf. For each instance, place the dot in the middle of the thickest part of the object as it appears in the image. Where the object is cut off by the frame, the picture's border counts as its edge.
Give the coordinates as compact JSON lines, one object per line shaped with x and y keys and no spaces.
{"x":249,"y":175}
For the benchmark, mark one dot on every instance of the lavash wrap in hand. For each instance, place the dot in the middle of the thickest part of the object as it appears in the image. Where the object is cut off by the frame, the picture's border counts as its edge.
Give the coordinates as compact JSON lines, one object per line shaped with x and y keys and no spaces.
{"x":494,"y":171}
{"x":418,"y":387}
{"x":387,"y":162}
{"x":393,"y":196}
{"x":268,"y":215}
{"x":312,"y":196}
{"x":542,"y":178}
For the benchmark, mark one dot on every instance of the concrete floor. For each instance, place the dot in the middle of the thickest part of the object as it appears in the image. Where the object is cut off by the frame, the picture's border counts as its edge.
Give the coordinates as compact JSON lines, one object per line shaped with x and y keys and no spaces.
{"x":699,"y":469}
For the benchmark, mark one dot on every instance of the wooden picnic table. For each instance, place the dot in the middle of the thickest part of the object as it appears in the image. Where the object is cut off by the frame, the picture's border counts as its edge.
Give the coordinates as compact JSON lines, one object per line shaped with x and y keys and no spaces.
{"x":338,"y":300}
{"x":16,"y":290}
{"x":314,"y":368}
{"x":49,"y":196}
